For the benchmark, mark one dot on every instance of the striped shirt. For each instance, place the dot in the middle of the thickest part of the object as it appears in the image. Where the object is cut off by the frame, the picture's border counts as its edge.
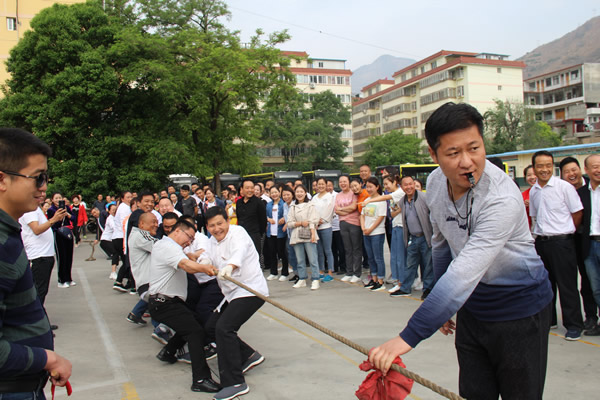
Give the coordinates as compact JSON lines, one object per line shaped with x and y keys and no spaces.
{"x":24,"y":327}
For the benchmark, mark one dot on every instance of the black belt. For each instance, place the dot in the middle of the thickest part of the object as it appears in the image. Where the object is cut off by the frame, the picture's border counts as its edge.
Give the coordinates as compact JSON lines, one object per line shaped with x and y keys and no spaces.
{"x":21,"y":384}
{"x":555,"y":237}
{"x":414,"y":235}
{"x":595,"y":238}
{"x":161,"y":298}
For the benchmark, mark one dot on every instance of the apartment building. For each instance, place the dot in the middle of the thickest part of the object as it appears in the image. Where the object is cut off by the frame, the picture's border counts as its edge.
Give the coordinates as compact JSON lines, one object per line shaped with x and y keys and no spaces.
{"x":568,"y":99}
{"x":419,"y":89}
{"x":17,"y":16}
{"x":316,"y":75}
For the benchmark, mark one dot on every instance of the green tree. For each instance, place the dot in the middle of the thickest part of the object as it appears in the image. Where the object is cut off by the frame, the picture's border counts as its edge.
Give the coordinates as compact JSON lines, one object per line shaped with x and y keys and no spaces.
{"x":537,"y":135}
{"x":504,"y":126}
{"x":394,"y":148}
{"x":309,"y":134}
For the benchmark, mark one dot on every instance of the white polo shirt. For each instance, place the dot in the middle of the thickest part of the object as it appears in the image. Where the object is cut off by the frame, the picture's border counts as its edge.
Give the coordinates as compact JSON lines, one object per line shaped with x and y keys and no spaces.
{"x":109,"y":228}
{"x":165,"y":276}
{"x":36,"y":246}
{"x":238,"y":249}
{"x":552,"y":206}
{"x":122,"y":213}
{"x":200,"y":242}
{"x":595,"y":212}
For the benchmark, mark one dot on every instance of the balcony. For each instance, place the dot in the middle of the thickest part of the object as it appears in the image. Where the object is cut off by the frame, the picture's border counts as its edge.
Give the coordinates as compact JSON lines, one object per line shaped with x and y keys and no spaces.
{"x":557,"y":104}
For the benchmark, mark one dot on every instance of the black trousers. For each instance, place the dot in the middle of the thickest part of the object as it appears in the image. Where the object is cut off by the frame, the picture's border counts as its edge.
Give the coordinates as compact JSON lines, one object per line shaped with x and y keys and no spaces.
{"x":558,"y":256}
{"x":388,"y":232}
{"x":255,"y":236}
{"x":64,"y":257}
{"x":339,"y":255}
{"x":76,"y":233}
{"x":274,"y":250}
{"x":203,"y":298}
{"x":109,"y":250}
{"x":590,"y":308}
{"x":506,"y":358}
{"x":232,"y":351}
{"x":41,"y":268}
{"x":176,"y":315}
{"x":125,"y":270}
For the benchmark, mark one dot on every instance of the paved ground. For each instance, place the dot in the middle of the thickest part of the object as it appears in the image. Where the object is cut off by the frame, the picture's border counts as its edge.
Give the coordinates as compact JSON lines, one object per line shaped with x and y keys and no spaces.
{"x":114,"y":359}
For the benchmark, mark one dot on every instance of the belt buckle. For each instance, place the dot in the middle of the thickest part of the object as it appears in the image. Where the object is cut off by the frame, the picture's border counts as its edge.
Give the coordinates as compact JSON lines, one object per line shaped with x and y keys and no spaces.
{"x":160,"y":299}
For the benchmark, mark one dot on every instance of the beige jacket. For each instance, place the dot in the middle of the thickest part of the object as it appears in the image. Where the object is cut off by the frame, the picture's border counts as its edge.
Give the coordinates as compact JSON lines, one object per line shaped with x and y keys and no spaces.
{"x":300,"y":213}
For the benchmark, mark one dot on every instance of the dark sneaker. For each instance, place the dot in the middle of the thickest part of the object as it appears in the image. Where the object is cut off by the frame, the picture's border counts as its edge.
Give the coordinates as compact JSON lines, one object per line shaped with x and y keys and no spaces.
{"x":161,"y":336}
{"x":167,"y":357}
{"x":595,"y":331}
{"x":210,"y":352}
{"x":370,"y":284}
{"x":183,"y":356}
{"x":206,"y":385}
{"x":119,"y":287}
{"x":134,"y":319}
{"x":132,"y":291}
{"x":377,"y":287}
{"x":255,"y":359}
{"x":589,"y":324}
{"x":399,"y":293}
{"x":573,"y":334}
{"x":425,"y":294}
{"x":230,"y":392}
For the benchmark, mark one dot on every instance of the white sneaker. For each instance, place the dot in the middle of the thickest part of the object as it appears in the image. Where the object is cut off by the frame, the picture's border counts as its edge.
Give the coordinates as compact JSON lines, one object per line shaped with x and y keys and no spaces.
{"x":112,"y":276}
{"x":347,"y":278}
{"x":299,"y":284}
{"x":63,"y":285}
{"x":355,"y":279}
{"x":396,"y":287}
{"x":417,"y":284}
{"x":283,"y":278}
{"x":315,"y":285}
{"x":271,"y":277}
{"x":72,"y":283}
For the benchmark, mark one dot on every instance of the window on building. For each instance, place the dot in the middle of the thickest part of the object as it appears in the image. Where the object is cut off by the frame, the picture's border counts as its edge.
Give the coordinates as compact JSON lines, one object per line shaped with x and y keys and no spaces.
{"x":413,"y":73}
{"x":499,"y":70}
{"x":531,"y":85}
{"x":433,"y":64}
{"x":339,"y":80}
{"x":499,"y":87}
{"x":310,"y":65}
{"x":403,"y":77}
{"x":320,"y":64}
{"x":423,"y":69}
{"x":460,"y":91}
{"x":11,"y":23}
{"x":555,"y":80}
{"x":548,"y":82}
{"x":346,"y":134}
{"x":575,"y":74}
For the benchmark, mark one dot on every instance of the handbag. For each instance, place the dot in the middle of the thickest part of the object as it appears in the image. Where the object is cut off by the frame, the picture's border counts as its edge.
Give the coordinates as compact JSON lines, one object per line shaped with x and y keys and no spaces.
{"x":65,"y":233}
{"x":303,"y":231}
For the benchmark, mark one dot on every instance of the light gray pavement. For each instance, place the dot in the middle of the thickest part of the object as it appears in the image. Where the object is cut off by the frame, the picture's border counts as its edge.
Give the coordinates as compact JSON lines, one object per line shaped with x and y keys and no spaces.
{"x":114,"y":359}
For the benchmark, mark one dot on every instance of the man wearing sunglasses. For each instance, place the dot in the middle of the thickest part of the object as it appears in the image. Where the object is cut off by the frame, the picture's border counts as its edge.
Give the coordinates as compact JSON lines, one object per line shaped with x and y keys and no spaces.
{"x":26,"y":349}
{"x":168,"y":293}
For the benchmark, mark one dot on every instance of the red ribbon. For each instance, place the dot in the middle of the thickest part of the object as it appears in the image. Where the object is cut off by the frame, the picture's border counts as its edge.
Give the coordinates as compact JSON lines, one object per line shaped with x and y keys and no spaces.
{"x":67,"y":386}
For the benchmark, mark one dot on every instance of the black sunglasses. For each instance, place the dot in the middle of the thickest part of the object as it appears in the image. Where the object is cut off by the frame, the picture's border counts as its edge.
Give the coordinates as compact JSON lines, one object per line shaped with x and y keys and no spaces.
{"x":40,"y":180}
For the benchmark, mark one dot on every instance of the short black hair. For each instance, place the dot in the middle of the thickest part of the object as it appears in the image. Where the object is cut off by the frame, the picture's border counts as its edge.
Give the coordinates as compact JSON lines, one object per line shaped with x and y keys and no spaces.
{"x":541,"y":153}
{"x":214,"y":212}
{"x":497,"y":161}
{"x":406,"y":176}
{"x":146,"y":193}
{"x":449,"y":118}
{"x":247,"y":180}
{"x":16,"y":145}
{"x":183,"y":223}
{"x":170,"y":215}
{"x":185,"y":187}
{"x":566,"y":161}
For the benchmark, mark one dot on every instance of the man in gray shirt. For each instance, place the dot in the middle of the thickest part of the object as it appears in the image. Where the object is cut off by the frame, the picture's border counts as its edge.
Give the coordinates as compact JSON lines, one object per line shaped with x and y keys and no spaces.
{"x":168,"y":292}
{"x":486,"y":268}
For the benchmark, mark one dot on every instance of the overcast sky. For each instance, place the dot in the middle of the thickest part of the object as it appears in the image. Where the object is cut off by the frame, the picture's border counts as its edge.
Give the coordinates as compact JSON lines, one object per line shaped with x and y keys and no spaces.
{"x":361,"y":31}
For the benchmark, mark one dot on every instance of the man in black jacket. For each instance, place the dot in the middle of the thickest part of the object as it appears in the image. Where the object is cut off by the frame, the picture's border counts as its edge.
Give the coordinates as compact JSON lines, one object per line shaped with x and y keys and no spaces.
{"x":590,"y":232}
{"x":251,"y":213}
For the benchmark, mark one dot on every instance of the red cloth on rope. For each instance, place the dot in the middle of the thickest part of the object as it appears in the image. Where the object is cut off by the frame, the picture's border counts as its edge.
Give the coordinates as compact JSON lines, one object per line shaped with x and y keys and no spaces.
{"x":67,"y":386}
{"x":393,"y":386}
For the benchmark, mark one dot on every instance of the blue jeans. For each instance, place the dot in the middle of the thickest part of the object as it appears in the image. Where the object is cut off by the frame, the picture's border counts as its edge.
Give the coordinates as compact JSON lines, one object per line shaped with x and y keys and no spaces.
{"x":418,"y":252}
{"x":592,"y":267}
{"x":139,"y":309}
{"x":374,"y":248}
{"x":311,"y":251}
{"x":398,"y":254}
{"x":39,"y":395}
{"x":292,"y":257}
{"x":324,"y":248}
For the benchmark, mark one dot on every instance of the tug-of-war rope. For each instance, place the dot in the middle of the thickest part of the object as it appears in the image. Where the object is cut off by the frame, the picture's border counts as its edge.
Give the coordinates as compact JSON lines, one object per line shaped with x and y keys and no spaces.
{"x":409,"y":374}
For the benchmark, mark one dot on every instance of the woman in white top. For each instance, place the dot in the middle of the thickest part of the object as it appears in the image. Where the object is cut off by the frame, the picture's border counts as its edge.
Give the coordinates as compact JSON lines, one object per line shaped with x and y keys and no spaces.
{"x":303,"y":218}
{"x":287,"y":194}
{"x":397,"y":250}
{"x":372,"y":223}
{"x":123,"y":212}
{"x":107,"y":238}
{"x":324,"y":202}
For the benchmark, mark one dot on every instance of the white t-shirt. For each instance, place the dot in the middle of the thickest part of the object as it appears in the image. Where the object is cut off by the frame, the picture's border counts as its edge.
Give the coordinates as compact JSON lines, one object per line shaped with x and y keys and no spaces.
{"x":165,"y":276}
{"x":238,"y":249}
{"x":122,"y":213}
{"x":274,"y":215}
{"x":335,"y":221}
{"x":109,"y":228}
{"x":397,"y":198}
{"x":201,"y":242}
{"x":324,"y":206}
{"x":371,"y":212}
{"x":36,"y":246}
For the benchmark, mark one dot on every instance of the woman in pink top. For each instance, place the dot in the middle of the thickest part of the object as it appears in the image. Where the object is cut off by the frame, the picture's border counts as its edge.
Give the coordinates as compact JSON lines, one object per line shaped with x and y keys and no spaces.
{"x":346,"y":209}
